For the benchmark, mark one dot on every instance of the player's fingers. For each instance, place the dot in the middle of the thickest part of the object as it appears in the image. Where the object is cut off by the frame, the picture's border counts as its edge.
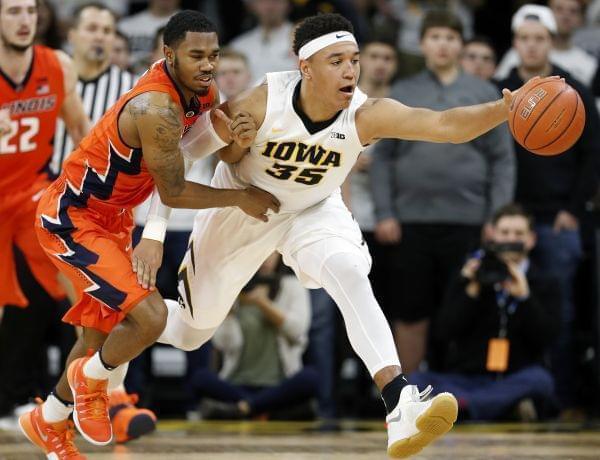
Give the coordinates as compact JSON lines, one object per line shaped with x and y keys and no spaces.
{"x":140,"y":272}
{"x":275,"y":202}
{"x":146,"y":276}
{"x":220,"y":114}
{"x":241,"y":119}
{"x":153,"y":271}
{"x":134,"y":264}
{"x":243,"y":128}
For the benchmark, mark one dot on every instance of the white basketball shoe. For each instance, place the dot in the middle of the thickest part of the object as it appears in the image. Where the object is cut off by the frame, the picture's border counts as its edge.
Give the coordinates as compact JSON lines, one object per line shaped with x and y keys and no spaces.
{"x":417,"y":421}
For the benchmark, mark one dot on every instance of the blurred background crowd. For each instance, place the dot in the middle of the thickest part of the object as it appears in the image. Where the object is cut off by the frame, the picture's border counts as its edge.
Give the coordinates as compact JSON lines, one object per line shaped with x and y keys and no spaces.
{"x":485,"y":257}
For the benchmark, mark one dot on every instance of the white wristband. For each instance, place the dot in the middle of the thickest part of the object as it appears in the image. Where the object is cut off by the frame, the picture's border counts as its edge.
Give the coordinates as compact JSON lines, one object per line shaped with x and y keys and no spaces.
{"x":155,"y":228}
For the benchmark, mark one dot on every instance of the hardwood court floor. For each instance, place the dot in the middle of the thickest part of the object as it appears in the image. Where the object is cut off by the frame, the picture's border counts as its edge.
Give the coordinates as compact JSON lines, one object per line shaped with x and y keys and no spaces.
{"x":304,"y":441}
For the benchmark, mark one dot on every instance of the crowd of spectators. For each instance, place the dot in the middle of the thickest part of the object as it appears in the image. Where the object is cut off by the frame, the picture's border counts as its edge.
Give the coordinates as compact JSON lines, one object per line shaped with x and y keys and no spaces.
{"x":436,"y":217}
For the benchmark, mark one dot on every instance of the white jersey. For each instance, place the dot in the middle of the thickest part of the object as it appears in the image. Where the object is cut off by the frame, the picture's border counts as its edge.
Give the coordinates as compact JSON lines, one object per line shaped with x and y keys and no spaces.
{"x":299,"y":162}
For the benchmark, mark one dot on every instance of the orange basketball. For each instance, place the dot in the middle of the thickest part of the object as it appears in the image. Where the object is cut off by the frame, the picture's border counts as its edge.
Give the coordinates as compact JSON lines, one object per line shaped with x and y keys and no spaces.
{"x":547,"y":116}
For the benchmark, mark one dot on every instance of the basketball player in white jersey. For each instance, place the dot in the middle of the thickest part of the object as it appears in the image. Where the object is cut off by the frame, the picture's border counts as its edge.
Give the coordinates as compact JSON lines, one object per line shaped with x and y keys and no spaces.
{"x":311,"y":126}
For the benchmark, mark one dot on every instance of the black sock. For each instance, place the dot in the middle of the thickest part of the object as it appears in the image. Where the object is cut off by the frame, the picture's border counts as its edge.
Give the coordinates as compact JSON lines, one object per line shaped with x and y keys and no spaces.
{"x":391,"y":392}
{"x":108,"y":367}
{"x":64,"y":401}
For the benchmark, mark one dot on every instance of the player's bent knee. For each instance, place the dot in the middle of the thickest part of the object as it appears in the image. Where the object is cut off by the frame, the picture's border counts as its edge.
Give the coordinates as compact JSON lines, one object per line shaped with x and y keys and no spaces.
{"x":180,"y":334}
{"x":350,"y":267}
{"x":149,"y":316}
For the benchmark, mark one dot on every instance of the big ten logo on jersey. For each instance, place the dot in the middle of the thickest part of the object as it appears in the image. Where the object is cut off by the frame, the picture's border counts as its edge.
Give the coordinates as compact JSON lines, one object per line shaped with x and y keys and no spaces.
{"x":23,"y":128}
{"x":298,"y":152}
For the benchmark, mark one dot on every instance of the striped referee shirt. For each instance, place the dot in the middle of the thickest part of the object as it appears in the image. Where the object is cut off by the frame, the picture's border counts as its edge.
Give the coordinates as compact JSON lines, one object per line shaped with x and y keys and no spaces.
{"x":98,"y":95}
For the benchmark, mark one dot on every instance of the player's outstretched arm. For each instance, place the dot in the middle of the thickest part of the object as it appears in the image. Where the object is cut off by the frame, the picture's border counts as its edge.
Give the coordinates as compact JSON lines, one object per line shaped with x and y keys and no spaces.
{"x":72,"y":111}
{"x":387,"y":118}
{"x":158,"y":121}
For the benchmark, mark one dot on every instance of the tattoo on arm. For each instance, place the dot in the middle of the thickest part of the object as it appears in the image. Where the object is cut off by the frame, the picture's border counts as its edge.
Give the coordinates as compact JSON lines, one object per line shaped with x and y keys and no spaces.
{"x":166,"y":130}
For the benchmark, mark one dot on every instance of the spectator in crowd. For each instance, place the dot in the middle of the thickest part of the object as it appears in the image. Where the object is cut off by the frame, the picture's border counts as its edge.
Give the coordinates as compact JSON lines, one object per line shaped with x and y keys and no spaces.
{"x":434,"y":198}
{"x":262,"y":341}
{"x":500,"y":317}
{"x":555,"y":189}
{"x":233,"y":73}
{"x":479,"y":58}
{"x":268,"y":45}
{"x":121,"y":51}
{"x":66,"y":8}
{"x":407,"y":16}
{"x":141,"y":29}
{"x":563,"y":18}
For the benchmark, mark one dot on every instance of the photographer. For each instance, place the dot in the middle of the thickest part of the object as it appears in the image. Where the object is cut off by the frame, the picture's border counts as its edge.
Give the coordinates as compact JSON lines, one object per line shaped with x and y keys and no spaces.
{"x":262,"y":342}
{"x":499,"y":317}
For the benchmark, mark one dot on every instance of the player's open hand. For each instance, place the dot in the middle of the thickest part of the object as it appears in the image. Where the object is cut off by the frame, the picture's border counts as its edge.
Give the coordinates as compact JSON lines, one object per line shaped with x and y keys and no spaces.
{"x":257,"y":203}
{"x":242,"y":128}
{"x":510,"y":96}
{"x":146,"y":260}
{"x":4,"y":122}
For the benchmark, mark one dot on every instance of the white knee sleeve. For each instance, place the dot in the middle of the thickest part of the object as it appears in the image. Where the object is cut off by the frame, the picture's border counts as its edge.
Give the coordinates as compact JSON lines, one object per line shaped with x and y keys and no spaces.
{"x":179,"y":333}
{"x":344,"y":275}
{"x":117,"y":376}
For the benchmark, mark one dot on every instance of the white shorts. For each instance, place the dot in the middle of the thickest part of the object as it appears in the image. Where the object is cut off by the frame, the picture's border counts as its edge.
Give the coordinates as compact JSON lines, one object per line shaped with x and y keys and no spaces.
{"x":227,"y":247}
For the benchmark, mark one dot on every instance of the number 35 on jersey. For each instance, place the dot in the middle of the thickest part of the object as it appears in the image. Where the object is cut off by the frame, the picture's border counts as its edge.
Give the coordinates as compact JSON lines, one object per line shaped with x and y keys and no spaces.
{"x":311,"y":161}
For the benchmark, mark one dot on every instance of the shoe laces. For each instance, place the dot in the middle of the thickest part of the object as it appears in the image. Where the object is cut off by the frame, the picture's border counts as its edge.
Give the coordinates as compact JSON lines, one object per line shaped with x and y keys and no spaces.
{"x":63,"y":442}
{"x":94,"y":405}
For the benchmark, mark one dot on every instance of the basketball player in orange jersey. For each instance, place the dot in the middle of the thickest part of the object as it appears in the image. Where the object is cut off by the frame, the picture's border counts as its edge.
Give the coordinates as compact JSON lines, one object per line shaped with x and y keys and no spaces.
{"x":37,"y":85}
{"x":85,"y":221}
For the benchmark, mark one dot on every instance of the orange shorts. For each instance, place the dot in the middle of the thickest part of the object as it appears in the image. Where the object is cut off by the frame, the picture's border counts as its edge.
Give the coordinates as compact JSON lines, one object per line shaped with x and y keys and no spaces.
{"x":17,"y":218}
{"x":91,"y":245}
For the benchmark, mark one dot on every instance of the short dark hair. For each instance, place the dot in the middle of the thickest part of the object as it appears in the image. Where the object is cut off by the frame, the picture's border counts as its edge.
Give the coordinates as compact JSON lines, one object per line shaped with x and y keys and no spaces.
{"x":183,"y":22}
{"x":482,"y":39}
{"x":441,"y":18}
{"x":96,"y":5}
{"x":315,"y":26}
{"x":513,"y":209}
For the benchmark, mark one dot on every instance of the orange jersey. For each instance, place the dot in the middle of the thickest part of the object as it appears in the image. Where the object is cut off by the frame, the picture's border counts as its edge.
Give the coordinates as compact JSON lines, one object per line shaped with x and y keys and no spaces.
{"x":105,"y":169}
{"x":34,"y":105}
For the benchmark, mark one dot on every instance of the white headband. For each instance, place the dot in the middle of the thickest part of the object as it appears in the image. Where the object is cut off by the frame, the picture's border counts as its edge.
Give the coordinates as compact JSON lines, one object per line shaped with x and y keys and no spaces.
{"x":316,"y":45}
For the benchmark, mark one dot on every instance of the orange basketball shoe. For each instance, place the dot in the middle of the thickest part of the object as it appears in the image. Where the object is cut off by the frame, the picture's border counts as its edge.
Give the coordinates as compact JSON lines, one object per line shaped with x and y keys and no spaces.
{"x":55,"y":439}
{"x":90,"y":413}
{"x":129,"y":422}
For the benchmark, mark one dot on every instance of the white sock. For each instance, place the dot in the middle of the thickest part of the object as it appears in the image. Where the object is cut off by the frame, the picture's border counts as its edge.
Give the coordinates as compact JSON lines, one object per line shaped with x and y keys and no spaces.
{"x":53,"y":410}
{"x":117,"y":377}
{"x":94,"y":368}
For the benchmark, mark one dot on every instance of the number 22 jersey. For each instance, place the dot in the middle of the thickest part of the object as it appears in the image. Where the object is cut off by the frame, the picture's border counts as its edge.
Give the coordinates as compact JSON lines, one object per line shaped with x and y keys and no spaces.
{"x":34,"y":105}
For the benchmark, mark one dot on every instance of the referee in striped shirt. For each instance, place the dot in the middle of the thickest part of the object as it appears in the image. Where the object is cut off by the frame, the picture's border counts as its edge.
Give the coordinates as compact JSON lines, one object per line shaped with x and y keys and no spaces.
{"x":100,"y":84}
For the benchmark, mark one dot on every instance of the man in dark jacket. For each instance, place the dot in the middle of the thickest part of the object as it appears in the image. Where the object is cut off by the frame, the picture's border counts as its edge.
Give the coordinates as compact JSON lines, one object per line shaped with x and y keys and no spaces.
{"x":498,"y":319}
{"x":555,"y":189}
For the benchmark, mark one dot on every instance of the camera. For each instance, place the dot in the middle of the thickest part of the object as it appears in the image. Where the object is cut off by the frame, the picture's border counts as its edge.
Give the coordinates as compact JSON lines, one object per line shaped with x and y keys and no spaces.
{"x":493,"y":269}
